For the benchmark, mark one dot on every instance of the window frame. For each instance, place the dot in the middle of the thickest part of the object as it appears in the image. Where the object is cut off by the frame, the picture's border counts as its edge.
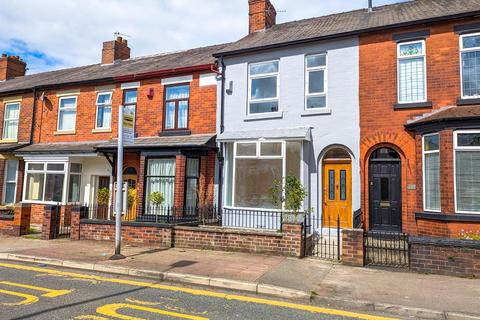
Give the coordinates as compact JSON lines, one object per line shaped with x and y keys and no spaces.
{"x":10,"y":181}
{"x":103,"y":105}
{"x":70,"y":173}
{"x":11,"y":119}
{"x":147,"y":176}
{"x":187,"y":178}
{"x":68,"y":108}
{"x":455,"y":149}
{"x":462,"y":50}
{"x":424,"y":153}
{"x":263,"y":76}
{"x":44,"y":171}
{"x":307,"y":81}
{"x":176,"y":101}
{"x":424,"y":56}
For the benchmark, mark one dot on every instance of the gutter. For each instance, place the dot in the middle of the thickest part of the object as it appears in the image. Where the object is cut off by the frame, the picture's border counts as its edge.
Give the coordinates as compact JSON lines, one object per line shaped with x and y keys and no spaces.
{"x":347,"y":34}
{"x":34,"y":108}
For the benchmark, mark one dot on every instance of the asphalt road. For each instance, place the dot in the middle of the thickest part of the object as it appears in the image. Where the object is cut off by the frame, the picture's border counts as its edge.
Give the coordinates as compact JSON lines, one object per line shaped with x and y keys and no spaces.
{"x":29,"y":291}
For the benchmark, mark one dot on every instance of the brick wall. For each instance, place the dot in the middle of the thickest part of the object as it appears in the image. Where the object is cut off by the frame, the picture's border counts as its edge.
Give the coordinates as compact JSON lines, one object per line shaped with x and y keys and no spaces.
{"x":7,"y":226}
{"x":352,"y":247}
{"x":445,"y":256}
{"x":37,"y":214}
{"x":19,"y":224}
{"x":378,"y":94}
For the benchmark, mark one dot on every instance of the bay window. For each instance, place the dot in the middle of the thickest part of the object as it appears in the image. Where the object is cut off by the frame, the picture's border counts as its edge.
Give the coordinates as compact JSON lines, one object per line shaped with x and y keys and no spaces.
{"x":44,"y":182}
{"x":316,"y":81}
{"x":161,"y":178}
{"x":412,"y":80}
{"x":470,"y":65}
{"x":10,"y":121}
{"x":263,"y":87}
{"x":467,"y":171}
{"x":431,"y":173}
{"x":256,"y":165}
{"x":176,"y":107}
{"x":10,"y":188}
{"x":104,"y":110}
{"x":67,"y":113}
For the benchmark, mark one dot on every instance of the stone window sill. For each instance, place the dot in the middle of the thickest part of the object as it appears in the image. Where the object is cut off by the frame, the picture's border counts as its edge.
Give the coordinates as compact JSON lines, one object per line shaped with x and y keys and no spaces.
{"x":63,"y":133}
{"x":9,"y":141}
{"x":265,"y":116}
{"x":101,"y":130}
{"x":399,"y":106}
{"x":316,"y":112}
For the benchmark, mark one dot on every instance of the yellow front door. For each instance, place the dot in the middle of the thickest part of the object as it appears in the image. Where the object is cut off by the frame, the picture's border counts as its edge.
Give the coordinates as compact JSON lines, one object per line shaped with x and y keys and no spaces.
{"x":337,"y":194}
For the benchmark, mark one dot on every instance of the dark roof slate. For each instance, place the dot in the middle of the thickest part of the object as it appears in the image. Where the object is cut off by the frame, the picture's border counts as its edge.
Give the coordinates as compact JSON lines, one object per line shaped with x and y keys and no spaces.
{"x":194,"y":140}
{"x":356,"y":21}
{"x":447,"y":114}
{"x":60,"y":148}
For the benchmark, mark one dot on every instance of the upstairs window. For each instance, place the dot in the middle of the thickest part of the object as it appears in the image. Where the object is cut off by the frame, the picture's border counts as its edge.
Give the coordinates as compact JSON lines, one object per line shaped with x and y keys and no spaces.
{"x":176,"y":107}
{"x":104,"y":110}
{"x":67,"y":113}
{"x":316,"y":82}
{"x":467,"y":171}
{"x":431,"y":172}
{"x":470,"y":61}
{"x":10,"y":121}
{"x":412,"y":81}
{"x":263,"y":87}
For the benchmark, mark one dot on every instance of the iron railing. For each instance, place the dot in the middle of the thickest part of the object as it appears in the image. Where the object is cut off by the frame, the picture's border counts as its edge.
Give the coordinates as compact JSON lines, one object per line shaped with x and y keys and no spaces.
{"x":325,"y":242}
{"x":386,"y":249}
{"x":252,"y":219}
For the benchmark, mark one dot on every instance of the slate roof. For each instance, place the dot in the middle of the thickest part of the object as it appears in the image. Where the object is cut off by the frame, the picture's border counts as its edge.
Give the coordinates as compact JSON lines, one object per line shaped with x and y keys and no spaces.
{"x":451,"y":113}
{"x":60,"y":148}
{"x":194,"y":140}
{"x":354,"y":22}
{"x":6,"y":147}
{"x":158,"y":62}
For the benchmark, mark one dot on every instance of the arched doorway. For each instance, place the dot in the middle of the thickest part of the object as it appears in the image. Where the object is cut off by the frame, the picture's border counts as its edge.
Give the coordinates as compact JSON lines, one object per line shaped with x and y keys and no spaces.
{"x":337,"y":189}
{"x":385,"y":190}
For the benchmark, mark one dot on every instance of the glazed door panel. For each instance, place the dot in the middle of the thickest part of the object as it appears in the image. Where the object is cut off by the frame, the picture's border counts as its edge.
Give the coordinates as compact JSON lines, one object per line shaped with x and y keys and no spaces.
{"x":337,"y":195}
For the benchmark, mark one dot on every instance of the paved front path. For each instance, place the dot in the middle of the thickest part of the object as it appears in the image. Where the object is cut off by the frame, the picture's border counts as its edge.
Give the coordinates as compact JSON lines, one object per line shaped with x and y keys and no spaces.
{"x":32,"y":292}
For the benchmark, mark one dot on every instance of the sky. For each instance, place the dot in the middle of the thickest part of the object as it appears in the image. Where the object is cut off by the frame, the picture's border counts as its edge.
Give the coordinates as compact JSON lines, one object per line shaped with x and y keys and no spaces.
{"x":55,"y":34}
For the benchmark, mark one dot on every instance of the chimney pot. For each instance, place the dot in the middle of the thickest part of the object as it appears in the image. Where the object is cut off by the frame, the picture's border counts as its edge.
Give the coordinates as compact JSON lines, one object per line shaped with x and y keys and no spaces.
{"x":262,"y":15}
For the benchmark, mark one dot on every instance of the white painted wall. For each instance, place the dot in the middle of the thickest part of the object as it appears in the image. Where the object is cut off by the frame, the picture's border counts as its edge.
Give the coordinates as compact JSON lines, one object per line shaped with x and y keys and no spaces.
{"x":91,"y":166}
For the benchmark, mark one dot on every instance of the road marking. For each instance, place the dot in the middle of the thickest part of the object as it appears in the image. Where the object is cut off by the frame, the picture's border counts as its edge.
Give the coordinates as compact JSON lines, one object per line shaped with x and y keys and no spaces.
{"x":50,"y":293}
{"x":27,"y":298}
{"x":90,"y":318}
{"x":212,"y":294}
{"x":111,"y":311}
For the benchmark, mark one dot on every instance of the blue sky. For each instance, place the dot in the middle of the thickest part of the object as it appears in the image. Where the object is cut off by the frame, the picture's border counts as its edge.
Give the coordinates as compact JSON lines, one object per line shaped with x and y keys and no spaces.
{"x":54,"y":34}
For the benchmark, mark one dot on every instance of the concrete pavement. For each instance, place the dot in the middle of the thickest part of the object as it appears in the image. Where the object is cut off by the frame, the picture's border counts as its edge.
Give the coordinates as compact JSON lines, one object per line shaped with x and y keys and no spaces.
{"x":404,"y":294}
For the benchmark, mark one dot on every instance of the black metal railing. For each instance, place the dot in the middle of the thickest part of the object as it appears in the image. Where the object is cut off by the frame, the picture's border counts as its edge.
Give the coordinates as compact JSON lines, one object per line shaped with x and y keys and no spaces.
{"x":325,"y":242}
{"x":357,"y":219}
{"x":62,"y":221}
{"x":252,"y":219}
{"x":386,"y":249}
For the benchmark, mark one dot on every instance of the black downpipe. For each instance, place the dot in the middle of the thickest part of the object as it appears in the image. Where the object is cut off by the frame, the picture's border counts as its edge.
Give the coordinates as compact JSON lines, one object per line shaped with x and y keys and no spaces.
{"x":220,"y":155}
{"x":33,"y":113}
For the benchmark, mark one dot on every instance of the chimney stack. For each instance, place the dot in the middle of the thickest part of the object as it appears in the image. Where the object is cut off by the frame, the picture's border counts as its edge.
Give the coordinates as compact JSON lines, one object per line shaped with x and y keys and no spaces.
{"x":115,"y":50}
{"x":370,"y":5}
{"x":262,"y":15}
{"x":11,"y":67}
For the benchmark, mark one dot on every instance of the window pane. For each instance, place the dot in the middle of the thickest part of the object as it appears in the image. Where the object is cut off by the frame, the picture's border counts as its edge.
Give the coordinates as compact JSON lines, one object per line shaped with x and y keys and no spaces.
{"x":68,"y":103}
{"x":130,"y":97}
{"x":35,"y":183}
{"x":316,"y":102}
{"x":182,"y":114}
{"x":471,"y":42}
{"x":104,"y":98}
{"x":76,"y":168}
{"x":67,"y":120}
{"x":471,"y":73}
{"x":411,"y":80}
{"x":11,"y":170}
{"x":316,"y":61}
{"x":191,"y":193}
{"x":262,"y":68}
{"x":343,"y":185}
{"x":431,"y":143}
{"x":271,"y":149}
{"x":55,"y":166}
{"x":468,"y":180}
{"x":293,"y":157}
{"x":331,"y":185}
{"x":163,"y":185}
{"x":104,"y":116}
{"x":316,"y":81}
{"x":10,"y":192}
{"x":10,"y":130}
{"x":384,"y":189}
{"x":264,"y":88}
{"x":263,"y":107}
{"x":35,"y":166}
{"x":193,"y":167}
{"x":178,"y":92}
{"x":54,"y":187}
{"x":468,"y":140}
{"x":161,"y":167}
{"x":411,"y":49}
{"x":12,"y":111}
{"x":246,"y":149}
{"x":253,"y":178}
{"x":170,"y":115}
{"x":74,"y":188}
{"x":432,"y":181}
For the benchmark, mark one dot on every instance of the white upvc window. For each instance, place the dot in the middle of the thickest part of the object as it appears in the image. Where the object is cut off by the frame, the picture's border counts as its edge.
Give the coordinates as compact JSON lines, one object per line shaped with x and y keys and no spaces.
{"x":467,"y":171}
{"x":74,"y":182}
{"x":431,"y":172}
{"x":10,"y":185}
{"x":256,"y":165}
{"x":10,"y":121}
{"x":263,"y":87}
{"x":412,"y":79}
{"x":45,"y":182}
{"x":104,"y":111}
{"x":316,"y":81}
{"x":470,"y":65}
{"x":67,"y":113}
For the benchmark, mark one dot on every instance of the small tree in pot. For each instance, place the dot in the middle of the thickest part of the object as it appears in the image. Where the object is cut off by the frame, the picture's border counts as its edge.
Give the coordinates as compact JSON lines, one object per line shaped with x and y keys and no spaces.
{"x":156,"y":199}
{"x":291,"y":196}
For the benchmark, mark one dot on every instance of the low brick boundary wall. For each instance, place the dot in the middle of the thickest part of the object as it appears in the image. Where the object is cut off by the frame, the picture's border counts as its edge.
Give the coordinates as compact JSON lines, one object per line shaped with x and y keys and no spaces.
{"x":19,"y":223}
{"x":352,"y":247}
{"x":445,"y":256}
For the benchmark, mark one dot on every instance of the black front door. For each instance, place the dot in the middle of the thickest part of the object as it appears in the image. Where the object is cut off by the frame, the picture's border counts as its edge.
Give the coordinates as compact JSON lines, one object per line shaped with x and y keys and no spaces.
{"x":385,"y":194}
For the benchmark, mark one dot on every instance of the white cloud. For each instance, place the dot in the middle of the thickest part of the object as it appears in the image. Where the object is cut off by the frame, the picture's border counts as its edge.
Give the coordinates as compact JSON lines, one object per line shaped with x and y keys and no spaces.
{"x":71,"y":33}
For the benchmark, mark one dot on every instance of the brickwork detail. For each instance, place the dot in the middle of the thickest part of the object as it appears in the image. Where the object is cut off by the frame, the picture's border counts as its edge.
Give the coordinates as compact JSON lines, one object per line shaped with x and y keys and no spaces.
{"x":262,"y":15}
{"x":19,"y":224}
{"x":352,"y":247}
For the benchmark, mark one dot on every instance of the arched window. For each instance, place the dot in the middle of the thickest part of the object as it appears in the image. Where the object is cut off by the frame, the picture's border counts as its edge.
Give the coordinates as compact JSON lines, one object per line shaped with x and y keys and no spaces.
{"x":130,"y":171}
{"x":337,"y":153}
{"x":385,"y":154}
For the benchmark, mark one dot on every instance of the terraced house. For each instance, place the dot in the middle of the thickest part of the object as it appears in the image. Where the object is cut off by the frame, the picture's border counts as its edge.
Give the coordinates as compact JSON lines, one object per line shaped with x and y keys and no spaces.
{"x":60,"y":129}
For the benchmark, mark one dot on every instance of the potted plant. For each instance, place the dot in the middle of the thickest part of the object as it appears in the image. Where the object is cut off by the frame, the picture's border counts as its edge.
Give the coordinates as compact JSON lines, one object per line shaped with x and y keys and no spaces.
{"x":103,"y":197}
{"x":291,"y":196}
{"x":156,"y":198}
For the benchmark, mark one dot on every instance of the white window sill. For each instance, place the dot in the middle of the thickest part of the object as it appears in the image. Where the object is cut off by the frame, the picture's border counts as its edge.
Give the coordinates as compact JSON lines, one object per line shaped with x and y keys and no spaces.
{"x":264,"y":116}
{"x":102,"y":130}
{"x":316,"y":112}
{"x":8,"y":141}
{"x":61,"y":133}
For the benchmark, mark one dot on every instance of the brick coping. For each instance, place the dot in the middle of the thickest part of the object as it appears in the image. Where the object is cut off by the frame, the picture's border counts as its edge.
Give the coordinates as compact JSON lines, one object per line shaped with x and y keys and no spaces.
{"x":226,"y":230}
{"x":445,"y":242}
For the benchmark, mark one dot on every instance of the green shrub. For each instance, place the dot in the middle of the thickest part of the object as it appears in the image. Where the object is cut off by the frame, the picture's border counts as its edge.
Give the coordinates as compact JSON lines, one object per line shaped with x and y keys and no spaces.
{"x":470,"y":235}
{"x":291,"y":195}
{"x":103,"y":196}
{"x":156,"y":198}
